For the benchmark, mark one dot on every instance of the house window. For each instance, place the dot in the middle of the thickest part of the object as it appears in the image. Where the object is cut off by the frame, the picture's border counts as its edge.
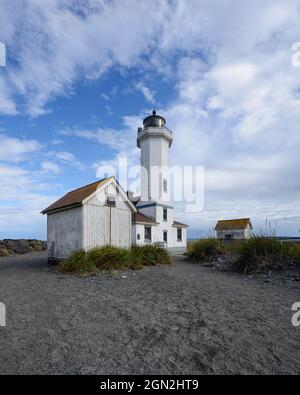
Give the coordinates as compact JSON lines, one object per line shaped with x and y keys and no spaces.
{"x":138,"y":236}
{"x":228,"y":236}
{"x":165,"y":214}
{"x":179,"y":234}
{"x":148,"y":233}
{"x":165,"y":186}
{"x":165,"y":236}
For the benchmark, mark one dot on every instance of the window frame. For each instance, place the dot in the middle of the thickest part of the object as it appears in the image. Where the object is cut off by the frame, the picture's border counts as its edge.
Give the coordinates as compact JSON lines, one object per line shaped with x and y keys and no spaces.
{"x":179,"y":230}
{"x":165,"y":232}
{"x":165,"y":218}
{"x":147,"y":228}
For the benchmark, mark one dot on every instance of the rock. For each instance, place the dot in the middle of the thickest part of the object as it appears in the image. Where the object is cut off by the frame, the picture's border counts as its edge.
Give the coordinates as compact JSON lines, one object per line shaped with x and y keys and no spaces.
{"x":18,"y":246}
{"x":21,"y":246}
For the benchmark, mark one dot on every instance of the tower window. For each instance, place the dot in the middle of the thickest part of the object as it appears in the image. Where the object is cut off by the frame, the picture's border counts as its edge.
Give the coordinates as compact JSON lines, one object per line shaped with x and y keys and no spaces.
{"x":165,"y":236}
{"x":165,"y":214}
{"x":165,"y":186}
{"x":148,"y":233}
{"x":179,"y":234}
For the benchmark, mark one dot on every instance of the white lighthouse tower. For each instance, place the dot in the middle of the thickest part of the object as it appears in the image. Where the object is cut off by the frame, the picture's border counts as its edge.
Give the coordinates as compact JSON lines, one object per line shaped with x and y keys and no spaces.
{"x":154,"y":222}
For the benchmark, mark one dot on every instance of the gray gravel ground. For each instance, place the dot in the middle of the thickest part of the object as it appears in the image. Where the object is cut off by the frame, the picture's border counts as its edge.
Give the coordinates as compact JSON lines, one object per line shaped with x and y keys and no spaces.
{"x":184,"y":319}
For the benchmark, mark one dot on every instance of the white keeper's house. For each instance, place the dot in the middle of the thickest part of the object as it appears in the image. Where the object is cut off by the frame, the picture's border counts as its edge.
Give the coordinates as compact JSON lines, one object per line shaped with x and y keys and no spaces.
{"x":102,"y":213}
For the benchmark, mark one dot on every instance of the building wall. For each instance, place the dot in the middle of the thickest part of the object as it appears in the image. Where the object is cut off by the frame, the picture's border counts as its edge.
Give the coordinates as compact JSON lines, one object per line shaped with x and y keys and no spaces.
{"x":156,"y":212}
{"x":104,"y":225}
{"x":154,"y":158}
{"x":235,"y":233}
{"x":183,"y":243}
{"x":64,"y":233}
{"x":139,"y":229}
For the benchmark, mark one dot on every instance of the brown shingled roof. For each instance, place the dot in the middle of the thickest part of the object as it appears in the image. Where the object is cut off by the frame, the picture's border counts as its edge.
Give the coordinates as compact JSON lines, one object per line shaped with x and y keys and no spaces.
{"x":233,"y":224}
{"x":76,"y":197}
{"x":141,"y":218}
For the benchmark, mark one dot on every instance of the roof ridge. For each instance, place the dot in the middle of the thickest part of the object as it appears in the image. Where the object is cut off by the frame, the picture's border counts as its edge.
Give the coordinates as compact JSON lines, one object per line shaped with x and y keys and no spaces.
{"x":87,"y":185}
{"x":234,"y":219}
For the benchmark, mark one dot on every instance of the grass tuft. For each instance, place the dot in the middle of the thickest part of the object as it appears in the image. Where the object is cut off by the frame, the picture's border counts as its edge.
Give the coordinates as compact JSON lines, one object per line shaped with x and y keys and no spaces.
{"x":113,"y":258}
{"x":77,"y":263}
{"x":260,"y":254}
{"x":205,"y":250}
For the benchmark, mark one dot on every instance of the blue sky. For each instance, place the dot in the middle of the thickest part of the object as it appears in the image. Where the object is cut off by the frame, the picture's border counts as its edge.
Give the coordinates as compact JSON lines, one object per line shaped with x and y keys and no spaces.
{"x":81,"y":75}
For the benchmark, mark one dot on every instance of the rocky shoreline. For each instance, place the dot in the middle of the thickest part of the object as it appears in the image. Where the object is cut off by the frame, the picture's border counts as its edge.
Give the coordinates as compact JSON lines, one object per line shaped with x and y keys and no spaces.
{"x":21,"y":246}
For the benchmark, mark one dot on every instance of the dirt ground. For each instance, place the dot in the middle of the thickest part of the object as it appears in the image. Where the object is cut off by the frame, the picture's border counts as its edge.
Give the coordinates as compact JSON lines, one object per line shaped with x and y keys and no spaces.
{"x":184,"y":319}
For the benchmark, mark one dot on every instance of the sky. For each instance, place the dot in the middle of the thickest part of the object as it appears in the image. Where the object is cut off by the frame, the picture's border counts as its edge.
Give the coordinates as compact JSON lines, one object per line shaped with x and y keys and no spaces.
{"x":81,"y":75}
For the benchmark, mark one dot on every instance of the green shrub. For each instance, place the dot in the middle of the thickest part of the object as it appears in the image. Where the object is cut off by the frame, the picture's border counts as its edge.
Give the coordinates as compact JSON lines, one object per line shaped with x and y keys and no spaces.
{"x":259,"y":254}
{"x":109,"y":258}
{"x":77,"y":263}
{"x":113,"y":258}
{"x":150,"y":255}
{"x":205,"y":250}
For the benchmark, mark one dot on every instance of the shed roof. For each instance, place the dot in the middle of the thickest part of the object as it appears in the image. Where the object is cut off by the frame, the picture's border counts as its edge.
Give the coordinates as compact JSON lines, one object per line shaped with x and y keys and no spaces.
{"x":76,"y":197}
{"x":179,"y":224}
{"x":230,"y":224}
{"x":139,"y":218}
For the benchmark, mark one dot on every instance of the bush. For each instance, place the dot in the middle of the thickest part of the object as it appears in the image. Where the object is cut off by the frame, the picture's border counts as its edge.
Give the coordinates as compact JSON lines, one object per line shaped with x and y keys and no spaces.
{"x":205,"y":250}
{"x":77,"y":263}
{"x":260,"y":254}
{"x":109,"y":258}
{"x":150,"y":255}
{"x":113,"y":258}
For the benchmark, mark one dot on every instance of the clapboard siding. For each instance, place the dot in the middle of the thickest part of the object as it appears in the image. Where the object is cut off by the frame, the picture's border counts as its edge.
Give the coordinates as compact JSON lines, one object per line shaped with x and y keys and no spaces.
{"x":64,"y":233}
{"x":105,"y":225}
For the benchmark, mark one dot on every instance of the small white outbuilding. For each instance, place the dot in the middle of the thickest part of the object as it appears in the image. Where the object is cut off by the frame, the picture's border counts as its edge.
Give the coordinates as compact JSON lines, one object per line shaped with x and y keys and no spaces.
{"x":234,"y":229}
{"x":95,"y":215}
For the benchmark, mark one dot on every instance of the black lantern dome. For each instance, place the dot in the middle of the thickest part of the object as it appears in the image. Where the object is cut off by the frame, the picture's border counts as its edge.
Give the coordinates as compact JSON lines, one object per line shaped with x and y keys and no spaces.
{"x":154,"y":120}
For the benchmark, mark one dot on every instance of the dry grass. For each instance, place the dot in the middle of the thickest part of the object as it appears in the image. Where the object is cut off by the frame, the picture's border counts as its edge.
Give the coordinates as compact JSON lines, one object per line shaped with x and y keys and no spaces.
{"x":205,"y":250}
{"x":113,"y":258}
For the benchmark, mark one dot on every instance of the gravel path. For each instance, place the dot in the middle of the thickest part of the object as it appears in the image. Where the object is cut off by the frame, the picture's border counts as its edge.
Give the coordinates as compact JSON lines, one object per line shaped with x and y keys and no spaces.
{"x":184,"y":319}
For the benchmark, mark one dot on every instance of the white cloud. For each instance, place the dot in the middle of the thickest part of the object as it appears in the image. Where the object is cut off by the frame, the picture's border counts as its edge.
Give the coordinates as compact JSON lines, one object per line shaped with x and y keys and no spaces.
{"x":23,"y":195}
{"x":148,"y":94}
{"x":14,"y":149}
{"x":57,"y":141}
{"x":116,"y":140}
{"x":50,"y":167}
{"x":7,"y":105}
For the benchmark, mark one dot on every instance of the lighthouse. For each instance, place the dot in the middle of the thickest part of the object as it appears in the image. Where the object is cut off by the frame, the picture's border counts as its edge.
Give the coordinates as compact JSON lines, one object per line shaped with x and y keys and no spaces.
{"x":154,"y":221}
